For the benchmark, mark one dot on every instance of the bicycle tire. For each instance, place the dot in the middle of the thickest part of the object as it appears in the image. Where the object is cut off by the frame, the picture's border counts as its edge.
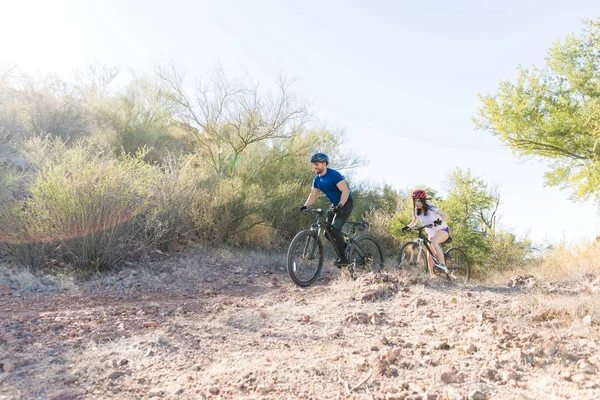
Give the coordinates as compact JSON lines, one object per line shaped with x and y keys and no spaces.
{"x":302,"y":271}
{"x":365,"y":254}
{"x":407,"y":258}
{"x":456,"y":258}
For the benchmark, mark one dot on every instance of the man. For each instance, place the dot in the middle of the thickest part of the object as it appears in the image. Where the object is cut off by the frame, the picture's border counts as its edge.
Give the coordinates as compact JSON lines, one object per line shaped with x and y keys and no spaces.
{"x":332,"y":183}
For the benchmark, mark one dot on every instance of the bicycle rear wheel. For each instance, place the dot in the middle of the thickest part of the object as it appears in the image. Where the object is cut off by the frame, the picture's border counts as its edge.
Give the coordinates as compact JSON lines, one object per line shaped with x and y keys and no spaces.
{"x":409,"y":258}
{"x":365,"y":255}
{"x":305,"y":258}
{"x":458,"y":264}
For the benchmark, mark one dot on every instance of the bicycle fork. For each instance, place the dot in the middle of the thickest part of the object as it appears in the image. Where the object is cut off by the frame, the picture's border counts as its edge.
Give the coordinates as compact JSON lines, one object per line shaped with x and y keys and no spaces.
{"x":310,"y":253}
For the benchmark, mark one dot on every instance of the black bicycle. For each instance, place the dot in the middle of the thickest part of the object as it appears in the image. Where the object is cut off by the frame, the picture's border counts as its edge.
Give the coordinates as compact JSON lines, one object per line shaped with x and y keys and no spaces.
{"x":412,"y":255}
{"x":305,"y":254}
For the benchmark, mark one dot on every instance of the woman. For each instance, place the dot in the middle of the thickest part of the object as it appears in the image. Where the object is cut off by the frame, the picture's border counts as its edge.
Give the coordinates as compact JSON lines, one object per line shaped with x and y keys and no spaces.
{"x":438,"y":234}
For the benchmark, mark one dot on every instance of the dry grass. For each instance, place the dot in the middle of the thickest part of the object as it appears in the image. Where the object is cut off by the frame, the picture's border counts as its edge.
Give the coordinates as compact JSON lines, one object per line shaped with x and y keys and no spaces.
{"x":570,"y":263}
{"x":562,"y":276}
{"x":570,"y":309}
{"x":24,"y":279}
{"x":560,"y":264}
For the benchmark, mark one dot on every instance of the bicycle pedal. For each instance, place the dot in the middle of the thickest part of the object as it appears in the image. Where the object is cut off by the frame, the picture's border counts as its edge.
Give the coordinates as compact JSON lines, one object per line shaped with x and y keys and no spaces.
{"x":442,"y":267}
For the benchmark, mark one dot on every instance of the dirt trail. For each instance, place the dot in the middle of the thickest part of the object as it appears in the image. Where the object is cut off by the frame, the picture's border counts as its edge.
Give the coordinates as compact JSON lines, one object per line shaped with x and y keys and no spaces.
{"x":238,"y":331}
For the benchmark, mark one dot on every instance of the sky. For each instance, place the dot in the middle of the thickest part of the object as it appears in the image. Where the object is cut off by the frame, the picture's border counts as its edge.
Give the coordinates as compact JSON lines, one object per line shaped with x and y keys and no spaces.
{"x":401,"y":78}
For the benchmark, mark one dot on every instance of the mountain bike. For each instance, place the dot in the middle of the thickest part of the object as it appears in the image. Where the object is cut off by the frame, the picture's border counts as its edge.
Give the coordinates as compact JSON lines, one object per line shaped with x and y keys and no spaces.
{"x":414,"y":255}
{"x":305,"y":255}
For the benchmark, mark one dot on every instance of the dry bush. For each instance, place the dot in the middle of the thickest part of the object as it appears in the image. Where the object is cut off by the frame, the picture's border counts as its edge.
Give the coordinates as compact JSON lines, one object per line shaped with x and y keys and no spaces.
{"x":218,"y":207}
{"x":90,"y":202}
{"x":173,"y":199}
{"x":380,"y":226}
{"x":262,"y":236}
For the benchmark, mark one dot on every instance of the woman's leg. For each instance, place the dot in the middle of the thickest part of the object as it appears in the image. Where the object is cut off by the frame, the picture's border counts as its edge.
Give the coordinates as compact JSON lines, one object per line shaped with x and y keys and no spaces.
{"x":430,"y":265}
{"x":437,"y":239}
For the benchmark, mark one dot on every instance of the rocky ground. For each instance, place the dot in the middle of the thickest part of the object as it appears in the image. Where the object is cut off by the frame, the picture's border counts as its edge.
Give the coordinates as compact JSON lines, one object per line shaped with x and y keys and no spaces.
{"x":210,"y":324}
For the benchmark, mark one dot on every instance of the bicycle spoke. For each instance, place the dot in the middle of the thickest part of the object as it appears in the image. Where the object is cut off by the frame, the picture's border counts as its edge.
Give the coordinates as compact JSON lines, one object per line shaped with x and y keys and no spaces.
{"x":458,"y":264}
{"x":410,"y":257}
{"x":305,"y":258}
{"x":366,"y":255}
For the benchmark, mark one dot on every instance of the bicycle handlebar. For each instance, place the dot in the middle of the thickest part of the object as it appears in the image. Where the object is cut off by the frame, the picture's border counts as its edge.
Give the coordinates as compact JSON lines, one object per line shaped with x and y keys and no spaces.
{"x":316,"y":210}
{"x":420,"y":228}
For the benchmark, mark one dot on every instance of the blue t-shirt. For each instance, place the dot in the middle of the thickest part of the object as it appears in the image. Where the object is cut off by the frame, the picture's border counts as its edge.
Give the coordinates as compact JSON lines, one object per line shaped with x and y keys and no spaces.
{"x":328,"y":185}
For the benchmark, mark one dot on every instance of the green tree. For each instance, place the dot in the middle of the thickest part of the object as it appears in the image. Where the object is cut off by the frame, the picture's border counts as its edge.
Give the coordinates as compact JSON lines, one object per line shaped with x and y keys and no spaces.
{"x":554,"y":112}
{"x":472,"y":208}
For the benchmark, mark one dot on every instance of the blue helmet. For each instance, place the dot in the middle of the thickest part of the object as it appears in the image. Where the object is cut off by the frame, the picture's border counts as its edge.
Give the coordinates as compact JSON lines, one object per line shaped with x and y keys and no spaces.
{"x":319,"y":157}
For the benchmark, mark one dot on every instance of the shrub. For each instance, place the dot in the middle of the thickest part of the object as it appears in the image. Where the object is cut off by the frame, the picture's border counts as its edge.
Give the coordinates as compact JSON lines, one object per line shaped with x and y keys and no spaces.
{"x":92,"y":203}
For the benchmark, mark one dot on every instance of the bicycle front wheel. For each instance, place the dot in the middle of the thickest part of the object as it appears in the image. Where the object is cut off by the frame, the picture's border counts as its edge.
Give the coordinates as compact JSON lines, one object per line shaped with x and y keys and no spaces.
{"x":365,"y":254}
{"x":410,"y":258}
{"x":305,"y":258}
{"x":458,"y":265}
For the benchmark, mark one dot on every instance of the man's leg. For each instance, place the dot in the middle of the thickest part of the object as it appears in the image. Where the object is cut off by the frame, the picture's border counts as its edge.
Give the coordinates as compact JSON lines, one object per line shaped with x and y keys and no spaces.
{"x":338,"y":235}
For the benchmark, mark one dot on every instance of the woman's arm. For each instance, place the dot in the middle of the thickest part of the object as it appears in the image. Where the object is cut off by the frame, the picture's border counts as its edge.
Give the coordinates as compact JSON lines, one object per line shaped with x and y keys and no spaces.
{"x":414,"y":222}
{"x":443,"y":215}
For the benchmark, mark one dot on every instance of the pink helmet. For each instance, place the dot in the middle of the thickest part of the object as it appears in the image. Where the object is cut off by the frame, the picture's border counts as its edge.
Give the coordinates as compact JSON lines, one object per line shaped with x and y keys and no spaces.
{"x":419,"y":194}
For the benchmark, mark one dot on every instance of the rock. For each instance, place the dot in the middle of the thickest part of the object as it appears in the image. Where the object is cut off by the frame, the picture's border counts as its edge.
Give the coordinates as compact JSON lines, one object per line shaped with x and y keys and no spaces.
{"x":489,"y":373}
{"x":419,"y":303}
{"x":393,"y":354}
{"x":522,"y":280}
{"x":587,"y":320}
{"x":469,"y":349}
{"x":155,"y":392}
{"x":586,"y":367}
{"x":551,"y":347}
{"x":7,"y":366}
{"x":116,"y":374}
{"x":579,"y":378}
{"x":442,"y":346}
{"x":175,"y":390}
{"x":449,"y":377}
{"x":477,"y":395}
{"x":376,"y":318}
{"x":8,"y":338}
{"x":262,"y":389}
{"x":214,"y":390}
{"x":510,"y":376}
{"x":428,"y":330}
{"x":70,"y":379}
{"x":397,"y":395}
{"x":67,"y":394}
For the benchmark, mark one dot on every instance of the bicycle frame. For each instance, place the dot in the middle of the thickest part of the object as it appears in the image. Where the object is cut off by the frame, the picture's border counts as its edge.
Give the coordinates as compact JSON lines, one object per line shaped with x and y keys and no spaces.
{"x":423,"y":241}
{"x":322,"y":227}
{"x":322,"y":230}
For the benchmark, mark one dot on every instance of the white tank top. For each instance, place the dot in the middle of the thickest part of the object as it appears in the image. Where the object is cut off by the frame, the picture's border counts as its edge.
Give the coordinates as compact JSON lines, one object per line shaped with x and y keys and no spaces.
{"x":431,"y":216}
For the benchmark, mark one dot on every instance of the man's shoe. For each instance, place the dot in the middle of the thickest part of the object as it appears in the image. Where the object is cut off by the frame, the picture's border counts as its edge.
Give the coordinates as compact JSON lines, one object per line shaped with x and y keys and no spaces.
{"x":340,"y":262}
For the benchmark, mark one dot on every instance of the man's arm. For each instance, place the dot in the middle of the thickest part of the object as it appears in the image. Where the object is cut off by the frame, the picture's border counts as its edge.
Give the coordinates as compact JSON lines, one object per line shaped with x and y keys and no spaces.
{"x":312,"y":197}
{"x":343,"y":186}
